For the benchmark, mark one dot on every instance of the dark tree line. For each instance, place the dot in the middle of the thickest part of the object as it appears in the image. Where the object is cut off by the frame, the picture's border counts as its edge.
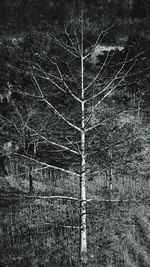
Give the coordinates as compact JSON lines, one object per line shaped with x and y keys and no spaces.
{"x":22,"y":15}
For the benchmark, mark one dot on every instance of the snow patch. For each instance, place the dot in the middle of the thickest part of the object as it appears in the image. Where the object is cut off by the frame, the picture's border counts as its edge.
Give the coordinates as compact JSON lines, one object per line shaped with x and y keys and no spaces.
{"x":100,"y":49}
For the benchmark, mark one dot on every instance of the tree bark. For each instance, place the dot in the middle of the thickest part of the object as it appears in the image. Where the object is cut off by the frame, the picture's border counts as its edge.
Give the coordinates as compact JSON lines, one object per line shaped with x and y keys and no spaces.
{"x":83,"y":230}
{"x":83,"y":234}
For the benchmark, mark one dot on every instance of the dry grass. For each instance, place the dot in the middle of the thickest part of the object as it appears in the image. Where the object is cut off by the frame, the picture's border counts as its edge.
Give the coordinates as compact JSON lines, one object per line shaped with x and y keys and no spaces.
{"x":35,"y":232}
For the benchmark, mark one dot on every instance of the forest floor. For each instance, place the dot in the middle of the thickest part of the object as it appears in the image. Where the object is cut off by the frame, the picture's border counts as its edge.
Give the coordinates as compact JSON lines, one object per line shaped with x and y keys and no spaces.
{"x":38,"y":231}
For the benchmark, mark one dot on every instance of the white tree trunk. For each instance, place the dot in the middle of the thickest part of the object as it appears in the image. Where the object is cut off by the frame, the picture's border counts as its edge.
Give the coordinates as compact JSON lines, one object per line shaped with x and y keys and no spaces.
{"x":83,"y":232}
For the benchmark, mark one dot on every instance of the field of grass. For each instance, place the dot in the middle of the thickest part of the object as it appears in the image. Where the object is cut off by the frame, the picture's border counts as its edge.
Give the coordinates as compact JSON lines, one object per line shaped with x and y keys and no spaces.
{"x":38,"y":231}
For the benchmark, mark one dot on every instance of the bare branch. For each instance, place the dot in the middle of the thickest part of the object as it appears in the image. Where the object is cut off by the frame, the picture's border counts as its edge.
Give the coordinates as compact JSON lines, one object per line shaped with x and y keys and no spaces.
{"x":97,"y":41}
{"x":71,"y":40}
{"x":52,"y":81}
{"x":108,"y":93}
{"x":99,"y":93}
{"x":45,"y":164}
{"x":12,"y":122}
{"x":104,"y":121}
{"x":53,"y":143}
{"x":65,"y":48}
{"x":19,"y":114}
{"x":74,"y":96}
{"x":58,"y":69}
{"x":78,"y":43}
{"x":54,"y":197}
{"x":55,"y":110}
{"x":112,"y":81}
{"x":65,"y":84}
{"x":79,"y":152}
{"x":97,"y":75}
{"x":76,"y":81}
{"x":26,"y":94}
{"x":47,"y":75}
{"x":67,"y":87}
{"x":61,"y":116}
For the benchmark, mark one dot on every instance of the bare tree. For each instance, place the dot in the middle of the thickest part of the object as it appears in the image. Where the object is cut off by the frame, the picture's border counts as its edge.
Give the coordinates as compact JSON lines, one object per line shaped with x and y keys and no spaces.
{"x":84,"y":90}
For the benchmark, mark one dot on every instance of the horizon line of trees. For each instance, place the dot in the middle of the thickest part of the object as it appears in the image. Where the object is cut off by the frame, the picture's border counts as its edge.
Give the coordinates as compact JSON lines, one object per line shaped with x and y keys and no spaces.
{"x":16,"y":16}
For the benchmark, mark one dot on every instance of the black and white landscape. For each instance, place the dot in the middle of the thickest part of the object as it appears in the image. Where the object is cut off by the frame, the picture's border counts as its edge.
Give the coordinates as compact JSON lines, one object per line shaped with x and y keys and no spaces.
{"x":74,"y":133}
